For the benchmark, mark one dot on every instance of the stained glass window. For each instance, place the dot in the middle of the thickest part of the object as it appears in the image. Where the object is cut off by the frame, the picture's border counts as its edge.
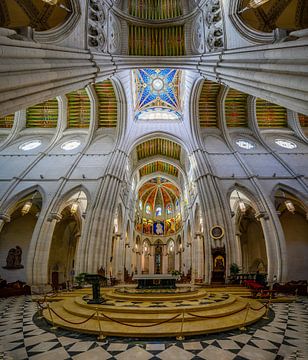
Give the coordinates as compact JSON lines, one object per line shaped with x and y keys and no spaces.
{"x":157,"y":94}
{"x":169,"y":209}
{"x":148,"y":209}
{"x":158,"y":211}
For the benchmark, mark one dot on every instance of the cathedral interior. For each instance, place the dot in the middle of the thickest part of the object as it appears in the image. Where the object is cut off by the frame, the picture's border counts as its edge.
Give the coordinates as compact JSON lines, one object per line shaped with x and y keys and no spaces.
{"x":155,"y":137}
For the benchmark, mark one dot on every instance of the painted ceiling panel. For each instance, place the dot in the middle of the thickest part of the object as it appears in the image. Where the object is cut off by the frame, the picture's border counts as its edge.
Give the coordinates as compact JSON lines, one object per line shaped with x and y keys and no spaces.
{"x":283,"y":14}
{"x":158,"y":146}
{"x":155,"y":9}
{"x":79,"y":109}
{"x":107,"y":109}
{"x":236,"y":108}
{"x":270,"y":115}
{"x":35,"y":13}
{"x":208,"y":104}
{"x":160,"y":193}
{"x":156,"y":41}
{"x":44,"y":115}
{"x":157,"y":90}
{"x":6,"y":122}
{"x":159,"y":166}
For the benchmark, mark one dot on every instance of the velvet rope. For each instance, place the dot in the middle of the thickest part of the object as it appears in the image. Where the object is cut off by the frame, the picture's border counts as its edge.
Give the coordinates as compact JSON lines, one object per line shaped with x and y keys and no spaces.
{"x":72,"y":322}
{"x":121,"y":323}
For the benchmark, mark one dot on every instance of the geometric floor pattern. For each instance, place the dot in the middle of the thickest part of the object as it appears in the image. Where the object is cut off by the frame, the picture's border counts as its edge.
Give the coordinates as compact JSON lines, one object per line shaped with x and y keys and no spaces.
{"x":284,"y":336}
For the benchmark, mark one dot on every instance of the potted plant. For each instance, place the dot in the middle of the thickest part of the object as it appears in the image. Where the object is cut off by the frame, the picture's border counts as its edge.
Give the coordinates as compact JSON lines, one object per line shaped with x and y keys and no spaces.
{"x":234,"y":270}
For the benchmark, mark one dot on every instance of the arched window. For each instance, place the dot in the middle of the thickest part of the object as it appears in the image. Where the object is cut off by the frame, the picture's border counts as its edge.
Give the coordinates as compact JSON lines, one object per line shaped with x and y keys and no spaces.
{"x":148,"y":209}
{"x":169,"y":209}
{"x":158,"y":211}
{"x":140,"y":204}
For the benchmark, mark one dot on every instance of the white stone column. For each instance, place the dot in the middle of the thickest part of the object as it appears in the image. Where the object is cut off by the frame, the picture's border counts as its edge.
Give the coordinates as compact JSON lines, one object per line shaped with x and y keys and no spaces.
{"x":276,"y":72}
{"x":32,"y":72}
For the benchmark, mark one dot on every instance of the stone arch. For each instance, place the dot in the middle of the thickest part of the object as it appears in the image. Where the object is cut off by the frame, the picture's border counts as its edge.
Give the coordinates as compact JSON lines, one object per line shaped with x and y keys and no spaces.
{"x":250,"y":244}
{"x":62,"y":30}
{"x":21,"y":212}
{"x":66,"y":197}
{"x":246,"y":31}
{"x":292,"y":214}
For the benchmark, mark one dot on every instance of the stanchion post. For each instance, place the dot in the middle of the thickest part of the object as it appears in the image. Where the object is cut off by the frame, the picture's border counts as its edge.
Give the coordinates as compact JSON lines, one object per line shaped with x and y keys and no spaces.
{"x":243,"y":328}
{"x":50,"y":314}
{"x":181,"y":337}
{"x":101,"y":336}
{"x":265,"y":317}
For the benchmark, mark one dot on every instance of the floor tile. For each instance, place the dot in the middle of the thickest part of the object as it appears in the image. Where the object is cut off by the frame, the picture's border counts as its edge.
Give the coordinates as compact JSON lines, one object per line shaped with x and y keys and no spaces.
{"x":214,"y":353}
{"x":117,"y":347}
{"x":95,"y":354}
{"x":175,"y":353}
{"x":253,"y":353}
{"x":134,"y":353}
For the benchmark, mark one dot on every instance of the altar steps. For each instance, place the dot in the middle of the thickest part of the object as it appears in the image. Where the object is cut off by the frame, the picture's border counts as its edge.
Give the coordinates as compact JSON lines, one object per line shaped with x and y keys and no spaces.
{"x":129,"y":315}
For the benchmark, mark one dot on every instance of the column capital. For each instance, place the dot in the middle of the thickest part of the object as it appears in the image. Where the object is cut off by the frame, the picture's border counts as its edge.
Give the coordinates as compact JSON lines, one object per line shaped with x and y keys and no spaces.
{"x":54,"y":216}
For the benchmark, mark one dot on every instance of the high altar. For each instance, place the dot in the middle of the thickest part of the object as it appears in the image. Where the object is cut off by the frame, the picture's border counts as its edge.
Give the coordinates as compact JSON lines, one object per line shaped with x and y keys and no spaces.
{"x":156,"y":281}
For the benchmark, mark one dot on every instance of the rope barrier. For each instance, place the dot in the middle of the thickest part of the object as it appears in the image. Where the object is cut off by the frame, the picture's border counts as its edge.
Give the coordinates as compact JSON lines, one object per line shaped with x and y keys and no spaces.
{"x":265,"y":305}
{"x":159,"y":323}
{"x":213,"y":316}
{"x":72,"y":322}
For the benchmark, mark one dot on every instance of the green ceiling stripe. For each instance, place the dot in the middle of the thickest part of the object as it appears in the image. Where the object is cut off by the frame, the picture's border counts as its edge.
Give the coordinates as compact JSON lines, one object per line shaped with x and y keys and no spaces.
{"x":44,"y":115}
{"x":78,"y":109}
{"x":147,"y":41}
{"x":108,"y":106}
{"x":6,"y":122}
{"x":236,"y":108}
{"x":270,"y":115}
{"x":208,"y":104}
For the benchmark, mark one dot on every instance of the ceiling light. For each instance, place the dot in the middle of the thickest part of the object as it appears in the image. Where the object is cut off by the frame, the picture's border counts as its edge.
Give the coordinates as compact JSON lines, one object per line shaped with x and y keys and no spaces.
{"x":30,"y":145}
{"x":70,"y":145}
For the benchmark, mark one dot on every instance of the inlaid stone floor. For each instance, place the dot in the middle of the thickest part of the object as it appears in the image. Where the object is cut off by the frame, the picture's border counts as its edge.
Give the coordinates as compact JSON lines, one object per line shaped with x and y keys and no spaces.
{"x":283,"y":336}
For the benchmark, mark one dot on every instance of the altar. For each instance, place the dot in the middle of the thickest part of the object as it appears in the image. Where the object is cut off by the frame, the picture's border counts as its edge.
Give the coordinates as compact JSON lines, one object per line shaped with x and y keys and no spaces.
{"x":156,"y":281}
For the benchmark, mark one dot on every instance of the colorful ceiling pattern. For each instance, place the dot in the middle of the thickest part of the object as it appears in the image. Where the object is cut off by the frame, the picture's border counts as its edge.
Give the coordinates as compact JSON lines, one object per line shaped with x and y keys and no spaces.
{"x":155,"y":9}
{"x":6,"y":122}
{"x":283,"y":14}
{"x":236,"y":108}
{"x":158,"y":192}
{"x":44,"y":115}
{"x":108,"y":108}
{"x":156,"y":41}
{"x":159,"y":166}
{"x":35,"y":13}
{"x":157,"y":90}
{"x":270,"y":115}
{"x":78,"y":109}
{"x":208,"y":104}
{"x":158,"y":146}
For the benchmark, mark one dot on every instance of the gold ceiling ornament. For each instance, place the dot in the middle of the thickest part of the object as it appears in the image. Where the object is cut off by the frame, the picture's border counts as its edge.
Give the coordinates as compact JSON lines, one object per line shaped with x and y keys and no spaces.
{"x":56,"y":2}
{"x":253,"y":4}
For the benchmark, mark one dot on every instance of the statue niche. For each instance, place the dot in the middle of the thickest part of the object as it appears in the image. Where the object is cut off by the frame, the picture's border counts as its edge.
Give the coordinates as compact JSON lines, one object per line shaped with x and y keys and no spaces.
{"x":13,"y":259}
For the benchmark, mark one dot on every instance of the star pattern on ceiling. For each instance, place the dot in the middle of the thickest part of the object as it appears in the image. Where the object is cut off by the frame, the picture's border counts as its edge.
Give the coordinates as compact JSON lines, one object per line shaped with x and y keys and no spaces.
{"x":157,"y":93}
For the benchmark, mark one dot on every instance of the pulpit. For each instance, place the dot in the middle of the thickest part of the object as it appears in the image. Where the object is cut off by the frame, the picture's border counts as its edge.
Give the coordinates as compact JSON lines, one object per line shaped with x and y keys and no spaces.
{"x":94,"y":280}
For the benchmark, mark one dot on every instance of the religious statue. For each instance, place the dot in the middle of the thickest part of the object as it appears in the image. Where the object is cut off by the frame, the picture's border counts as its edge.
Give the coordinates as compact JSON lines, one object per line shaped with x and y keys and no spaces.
{"x":13,"y":259}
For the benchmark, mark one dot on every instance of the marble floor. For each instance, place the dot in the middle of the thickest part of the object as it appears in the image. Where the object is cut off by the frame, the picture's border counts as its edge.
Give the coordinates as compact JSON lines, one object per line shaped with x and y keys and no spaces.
{"x":24,"y":336}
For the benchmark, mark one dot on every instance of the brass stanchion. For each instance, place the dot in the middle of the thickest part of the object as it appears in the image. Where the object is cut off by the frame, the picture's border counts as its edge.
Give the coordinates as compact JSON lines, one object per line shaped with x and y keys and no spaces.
{"x":53,"y":324}
{"x":265,"y":317}
{"x":101,"y":336}
{"x":181,"y":337}
{"x":243,"y":328}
